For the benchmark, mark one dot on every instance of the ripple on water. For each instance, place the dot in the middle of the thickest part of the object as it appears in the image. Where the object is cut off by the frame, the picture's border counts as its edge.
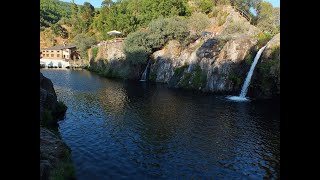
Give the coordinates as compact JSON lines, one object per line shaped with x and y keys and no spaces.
{"x":121,"y":130}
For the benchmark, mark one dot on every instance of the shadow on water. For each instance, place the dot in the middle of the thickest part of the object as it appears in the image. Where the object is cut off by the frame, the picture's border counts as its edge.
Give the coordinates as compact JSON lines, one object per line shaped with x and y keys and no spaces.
{"x":121,"y":129}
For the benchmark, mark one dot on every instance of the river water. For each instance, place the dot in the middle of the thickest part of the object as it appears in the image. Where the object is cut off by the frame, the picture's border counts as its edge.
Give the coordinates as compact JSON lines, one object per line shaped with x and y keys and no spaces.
{"x":136,"y":130}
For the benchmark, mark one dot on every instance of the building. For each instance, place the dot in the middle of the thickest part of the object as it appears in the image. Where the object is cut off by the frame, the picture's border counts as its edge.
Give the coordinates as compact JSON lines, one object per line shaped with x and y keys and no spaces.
{"x":64,"y":51}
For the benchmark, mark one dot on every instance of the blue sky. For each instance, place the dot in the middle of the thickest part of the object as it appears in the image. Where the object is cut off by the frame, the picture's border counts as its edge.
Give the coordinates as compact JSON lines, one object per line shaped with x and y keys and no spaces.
{"x":97,"y":3}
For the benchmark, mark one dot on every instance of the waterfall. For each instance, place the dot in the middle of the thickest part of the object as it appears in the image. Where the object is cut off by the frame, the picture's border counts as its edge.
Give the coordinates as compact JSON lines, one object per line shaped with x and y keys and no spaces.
{"x":245,"y":86}
{"x":144,"y":75}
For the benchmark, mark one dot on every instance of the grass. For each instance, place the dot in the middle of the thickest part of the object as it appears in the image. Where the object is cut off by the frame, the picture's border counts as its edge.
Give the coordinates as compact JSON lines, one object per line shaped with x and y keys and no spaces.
{"x":94,"y":52}
{"x":64,"y":169}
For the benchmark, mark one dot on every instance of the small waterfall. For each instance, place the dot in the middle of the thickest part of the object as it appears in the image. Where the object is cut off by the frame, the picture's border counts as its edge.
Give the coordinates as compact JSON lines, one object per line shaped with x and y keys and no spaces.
{"x":244,"y":90}
{"x":144,"y":75}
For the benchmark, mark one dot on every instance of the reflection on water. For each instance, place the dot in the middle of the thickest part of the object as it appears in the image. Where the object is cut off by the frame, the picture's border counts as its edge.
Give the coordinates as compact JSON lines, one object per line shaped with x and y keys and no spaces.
{"x":137,"y":130}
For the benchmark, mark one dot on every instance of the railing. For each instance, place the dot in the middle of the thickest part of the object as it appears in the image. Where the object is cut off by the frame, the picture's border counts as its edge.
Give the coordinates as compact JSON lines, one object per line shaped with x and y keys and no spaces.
{"x":242,"y":13}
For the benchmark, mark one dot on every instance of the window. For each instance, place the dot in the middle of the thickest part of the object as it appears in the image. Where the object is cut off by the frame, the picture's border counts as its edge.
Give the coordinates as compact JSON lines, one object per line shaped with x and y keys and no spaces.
{"x":58,"y":55}
{"x":47,"y":55}
{"x":58,"y":51}
{"x":51,"y":51}
{"x":43,"y":51}
{"x":51,"y":55}
{"x":47,"y":51}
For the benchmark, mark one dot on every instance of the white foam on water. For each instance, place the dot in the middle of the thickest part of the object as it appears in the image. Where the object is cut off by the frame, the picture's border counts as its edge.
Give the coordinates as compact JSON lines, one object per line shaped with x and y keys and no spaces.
{"x":238,"y":98}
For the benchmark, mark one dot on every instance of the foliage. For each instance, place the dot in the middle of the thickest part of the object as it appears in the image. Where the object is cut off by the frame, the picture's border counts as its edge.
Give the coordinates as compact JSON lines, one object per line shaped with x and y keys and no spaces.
{"x":222,"y":17}
{"x":263,"y":39}
{"x":266,"y":17}
{"x":83,"y":43}
{"x":205,"y":6}
{"x":196,"y":79}
{"x":179,"y":70}
{"x":235,"y":27}
{"x":64,"y":169}
{"x":128,"y":16}
{"x":140,"y":44}
{"x":58,"y":30}
{"x":51,"y":11}
{"x":199,"y":78}
{"x":94,"y":52}
{"x":198,"y":22}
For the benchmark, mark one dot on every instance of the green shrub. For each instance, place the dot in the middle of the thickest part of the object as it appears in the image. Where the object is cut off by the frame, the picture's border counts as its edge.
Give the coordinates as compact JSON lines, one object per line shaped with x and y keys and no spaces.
{"x":199,"y":78}
{"x":263,"y":39}
{"x":64,"y":169}
{"x":205,"y":5}
{"x":222,"y":17}
{"x":198,"y":22}
{"x":194,"y":80}
{"x":249,"y":59}
{"x":140,"y":44}
{"x":94,"y":52}
{"x":235,"y":27}
{"x":184,"y":82}
{"x":275,"y":55}
{"x":214,"y":12}
{"x":179,"y":70}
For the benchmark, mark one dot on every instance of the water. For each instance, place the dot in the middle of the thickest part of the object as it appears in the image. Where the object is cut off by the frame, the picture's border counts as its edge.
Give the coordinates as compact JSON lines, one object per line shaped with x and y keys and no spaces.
{"x":132,"y":130}
{"x":144,"y":75}
{"x":244,"y":90}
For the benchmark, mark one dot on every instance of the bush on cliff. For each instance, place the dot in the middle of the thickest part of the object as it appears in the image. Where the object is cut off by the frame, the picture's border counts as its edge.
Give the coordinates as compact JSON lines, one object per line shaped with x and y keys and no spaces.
{"x":140,"y":44}
{"x":51,"y":117}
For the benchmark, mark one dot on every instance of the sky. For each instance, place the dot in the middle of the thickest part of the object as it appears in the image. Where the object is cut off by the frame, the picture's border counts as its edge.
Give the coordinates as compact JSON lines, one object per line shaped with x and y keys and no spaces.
{"x":97,"y":3}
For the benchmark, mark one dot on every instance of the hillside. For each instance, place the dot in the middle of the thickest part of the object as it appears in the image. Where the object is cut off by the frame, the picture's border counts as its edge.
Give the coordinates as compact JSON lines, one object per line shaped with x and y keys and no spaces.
{"x":51,"y":11}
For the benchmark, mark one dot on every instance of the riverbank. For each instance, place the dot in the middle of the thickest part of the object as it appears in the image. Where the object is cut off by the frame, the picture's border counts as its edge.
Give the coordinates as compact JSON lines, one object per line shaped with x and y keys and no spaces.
{"x":55,"y":155}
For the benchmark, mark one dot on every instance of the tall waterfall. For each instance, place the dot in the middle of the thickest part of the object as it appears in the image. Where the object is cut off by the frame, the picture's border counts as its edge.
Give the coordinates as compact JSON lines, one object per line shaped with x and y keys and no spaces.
{"x":245,"y":86}
{"x":144,"y":75}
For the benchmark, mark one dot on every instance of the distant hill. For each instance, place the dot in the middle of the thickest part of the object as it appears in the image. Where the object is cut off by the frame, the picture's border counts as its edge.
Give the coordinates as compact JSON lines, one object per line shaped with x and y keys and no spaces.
{"x":51,"y":11}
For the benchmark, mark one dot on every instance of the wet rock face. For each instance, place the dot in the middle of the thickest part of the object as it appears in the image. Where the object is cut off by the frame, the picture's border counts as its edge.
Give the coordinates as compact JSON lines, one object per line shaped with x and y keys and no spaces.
{"x":48,"y":97}
{"x":217,"y":60}
{"x":266,"y":78}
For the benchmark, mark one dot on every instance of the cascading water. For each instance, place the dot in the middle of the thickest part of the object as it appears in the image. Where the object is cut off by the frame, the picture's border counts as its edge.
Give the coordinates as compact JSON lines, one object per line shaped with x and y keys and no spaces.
{"x":244,"y":90}
{"x":144,"y":75}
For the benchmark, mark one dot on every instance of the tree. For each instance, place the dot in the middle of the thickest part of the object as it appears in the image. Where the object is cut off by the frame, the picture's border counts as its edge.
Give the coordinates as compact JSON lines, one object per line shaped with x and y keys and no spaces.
{"x":106,"y":3}
{"x":58,"y":30}
{"x":83,"y":43}
{"x":265,"y":17}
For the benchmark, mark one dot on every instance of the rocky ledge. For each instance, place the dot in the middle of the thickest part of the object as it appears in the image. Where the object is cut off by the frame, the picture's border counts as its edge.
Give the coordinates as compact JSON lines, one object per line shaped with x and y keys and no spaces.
{"x":55,"y":156}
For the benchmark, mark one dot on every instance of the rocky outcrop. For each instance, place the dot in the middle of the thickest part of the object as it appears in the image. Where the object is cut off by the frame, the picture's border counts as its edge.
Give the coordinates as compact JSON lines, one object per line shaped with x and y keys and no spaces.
{"x":217,"y":62}
{"x":109,"y":61}
{"x":52,"y":150}
{"x":266,"y":79}
{"x":208,"y":64}
{"x":48,"y":97}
